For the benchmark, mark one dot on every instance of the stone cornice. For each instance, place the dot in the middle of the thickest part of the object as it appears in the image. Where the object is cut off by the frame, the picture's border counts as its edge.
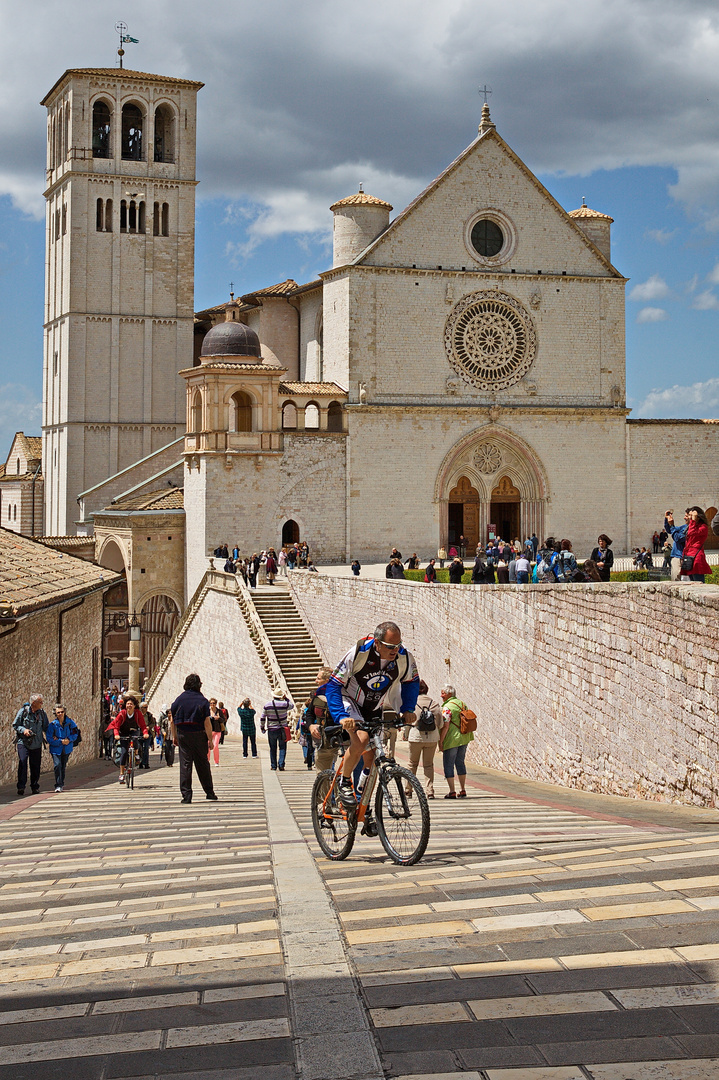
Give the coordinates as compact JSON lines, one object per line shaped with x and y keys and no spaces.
{"x":594,"y":412}
{"x":503,"y":276}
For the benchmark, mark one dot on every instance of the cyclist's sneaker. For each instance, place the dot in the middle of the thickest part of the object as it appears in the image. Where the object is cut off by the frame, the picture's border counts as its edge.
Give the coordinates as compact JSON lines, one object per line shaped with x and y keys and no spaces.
{"x":370,"y":826}
{"x":121,"y":780}
{"x":346,"y":793}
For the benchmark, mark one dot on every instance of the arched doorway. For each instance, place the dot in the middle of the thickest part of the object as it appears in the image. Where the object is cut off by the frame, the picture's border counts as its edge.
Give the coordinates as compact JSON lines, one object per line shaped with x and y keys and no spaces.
{"x":504,"y":509}
{"x":464,"y":514}
{"x":290,"y":533}
{"x":159,"y":622}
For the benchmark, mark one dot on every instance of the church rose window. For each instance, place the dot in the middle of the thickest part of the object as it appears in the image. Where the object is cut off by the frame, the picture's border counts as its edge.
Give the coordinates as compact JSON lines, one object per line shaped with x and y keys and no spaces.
{"x":487,"y":238}
{"x":490,"y":340}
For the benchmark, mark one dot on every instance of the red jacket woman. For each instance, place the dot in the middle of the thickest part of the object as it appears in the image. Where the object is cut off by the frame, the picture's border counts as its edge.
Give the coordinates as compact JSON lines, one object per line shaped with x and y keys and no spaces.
{"x":697,"y":533}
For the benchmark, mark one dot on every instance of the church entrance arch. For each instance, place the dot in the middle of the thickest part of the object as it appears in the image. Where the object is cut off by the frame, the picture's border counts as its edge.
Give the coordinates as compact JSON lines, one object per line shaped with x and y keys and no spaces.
{"x":159,"y":621}
{"x":504,"y":510}
{"x":290,"y":533}
{"x":463,"y":515}
{"x":508,"y":480}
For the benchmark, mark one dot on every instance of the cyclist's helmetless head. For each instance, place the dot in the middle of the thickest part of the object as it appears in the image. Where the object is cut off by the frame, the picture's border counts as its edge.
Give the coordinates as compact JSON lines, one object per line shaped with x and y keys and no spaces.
{"x":387,"y":639}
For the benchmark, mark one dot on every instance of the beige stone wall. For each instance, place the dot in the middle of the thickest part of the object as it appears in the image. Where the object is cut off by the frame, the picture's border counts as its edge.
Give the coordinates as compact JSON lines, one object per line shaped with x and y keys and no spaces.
{"x":310,"y":318}
{"x":395,"y":505}
{"x":217,"y":646}
{"x":608,"y":688}
{"x":29,"y":662}
{"x":21,"y":506}
{"x":248,"y":504}
{"x":163,"y":466}
{"x":672,"y":464}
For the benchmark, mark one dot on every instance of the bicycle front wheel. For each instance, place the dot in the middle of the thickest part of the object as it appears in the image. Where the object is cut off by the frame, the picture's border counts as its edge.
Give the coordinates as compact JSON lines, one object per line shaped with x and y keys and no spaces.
{"x":402,"y":820}
{"x":335,"y":832}
{"x":130,"y":770}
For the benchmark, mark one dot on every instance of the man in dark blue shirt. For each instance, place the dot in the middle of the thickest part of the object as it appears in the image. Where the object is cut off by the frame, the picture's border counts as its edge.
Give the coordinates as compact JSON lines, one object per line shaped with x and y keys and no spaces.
{"x":192,"y":734}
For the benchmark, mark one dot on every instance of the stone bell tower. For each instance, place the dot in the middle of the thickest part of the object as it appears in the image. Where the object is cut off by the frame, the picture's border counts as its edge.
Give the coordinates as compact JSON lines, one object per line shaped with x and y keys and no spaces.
{"x":119,"y":279}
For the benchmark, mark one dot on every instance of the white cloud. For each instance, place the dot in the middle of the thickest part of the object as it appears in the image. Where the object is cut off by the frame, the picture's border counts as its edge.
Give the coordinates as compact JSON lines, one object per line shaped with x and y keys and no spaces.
{"x":661,"y":236}
{"x":651,"y":315}
{"x":699,"y":400}
{"x":713,"y":276}
{"x":654,"y":288}
{"x":706,"y":301}
{"x":691,"y":285}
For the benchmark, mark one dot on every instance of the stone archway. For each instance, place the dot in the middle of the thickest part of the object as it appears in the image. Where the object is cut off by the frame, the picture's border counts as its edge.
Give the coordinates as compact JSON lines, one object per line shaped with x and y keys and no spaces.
{"x":493,"y":459}
{"x":159,"y":618}
{"x":463,"y":516}
{"x":504,"y":510}
{"x":290,"y":532}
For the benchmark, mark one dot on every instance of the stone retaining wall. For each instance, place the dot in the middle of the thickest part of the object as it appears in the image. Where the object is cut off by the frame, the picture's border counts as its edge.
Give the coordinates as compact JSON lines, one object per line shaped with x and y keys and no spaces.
{"x":608,"y":688}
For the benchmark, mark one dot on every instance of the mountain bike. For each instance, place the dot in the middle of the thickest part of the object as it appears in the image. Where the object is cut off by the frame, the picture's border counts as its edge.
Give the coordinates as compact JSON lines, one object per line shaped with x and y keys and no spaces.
{"x":402,"y":823}
{"x":134,"y":755}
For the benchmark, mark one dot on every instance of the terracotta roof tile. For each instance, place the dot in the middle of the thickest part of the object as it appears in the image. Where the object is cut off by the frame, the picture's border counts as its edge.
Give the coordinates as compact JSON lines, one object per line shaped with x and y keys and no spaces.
{"x":281,"y":289}
{"x":317,"y":389}
{"x":361,"y":198}
{"x":64,"y":542}
{"x":586,"y":212}
{"x":162,"y":499}
{"x":33,"y":575}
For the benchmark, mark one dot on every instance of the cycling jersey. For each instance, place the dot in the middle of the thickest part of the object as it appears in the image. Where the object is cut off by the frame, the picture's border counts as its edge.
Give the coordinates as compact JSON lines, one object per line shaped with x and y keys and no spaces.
{"x":366,"y":682}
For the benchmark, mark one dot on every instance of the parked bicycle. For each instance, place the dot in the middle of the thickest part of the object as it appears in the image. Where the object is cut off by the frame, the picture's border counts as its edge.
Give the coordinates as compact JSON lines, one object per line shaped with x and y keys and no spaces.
{"x":401,"y":821}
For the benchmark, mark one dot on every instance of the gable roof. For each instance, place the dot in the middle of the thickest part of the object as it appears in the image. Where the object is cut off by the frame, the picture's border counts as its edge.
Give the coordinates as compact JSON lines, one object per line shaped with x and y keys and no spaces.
{"x":488,"y":133}
{"x":33,"y":576}
{"x":316,"y":389}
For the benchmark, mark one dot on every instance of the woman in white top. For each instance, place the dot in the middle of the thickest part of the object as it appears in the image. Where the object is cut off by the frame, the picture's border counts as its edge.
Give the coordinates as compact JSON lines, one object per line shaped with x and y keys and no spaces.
{"x":422,"y":743}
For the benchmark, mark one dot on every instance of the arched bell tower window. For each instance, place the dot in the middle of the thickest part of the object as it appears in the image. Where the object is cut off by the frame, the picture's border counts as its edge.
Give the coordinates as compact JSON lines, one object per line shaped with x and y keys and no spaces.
{"x":101,"y":130}
{"x":196,"y":412}
{"x":164,"y":134}
{"x":312,"y":416}
{"x":242,"y":409}
{"x":132,"y":127}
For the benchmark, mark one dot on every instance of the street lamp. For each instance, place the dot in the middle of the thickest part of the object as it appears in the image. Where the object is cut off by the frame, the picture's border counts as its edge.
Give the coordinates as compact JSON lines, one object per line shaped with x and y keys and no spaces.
{"x":134,"y":627}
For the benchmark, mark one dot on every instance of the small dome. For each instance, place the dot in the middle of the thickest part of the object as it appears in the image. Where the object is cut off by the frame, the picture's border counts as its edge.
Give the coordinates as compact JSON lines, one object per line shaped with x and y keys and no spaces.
{"x":585,"y":211}
{"x":361,"y":198}
{"x":231,"y":339}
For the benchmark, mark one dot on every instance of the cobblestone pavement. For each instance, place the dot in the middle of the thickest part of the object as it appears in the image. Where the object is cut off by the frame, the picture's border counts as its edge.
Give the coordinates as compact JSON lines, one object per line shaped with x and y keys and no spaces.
{"x":536,"y":940}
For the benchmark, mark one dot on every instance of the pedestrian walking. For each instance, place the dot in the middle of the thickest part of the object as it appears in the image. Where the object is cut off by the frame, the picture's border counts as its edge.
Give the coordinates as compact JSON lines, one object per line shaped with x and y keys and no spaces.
{"x":355,"y":567}
{"x":452,"y":742}
{"x":524,"y":568}
{"x":192,"y":734}
{"x":274,"y":720}
{"x":456,"y":570}
{"x":29,"y":727}
{"x":225,"y":717}
{"x":216,"y":724}
{"x":678,"y":534}
{"x":423,"y":737}
{"x":247,"y":726}
{"x":430,"y":574}
{"x":62,"y":734}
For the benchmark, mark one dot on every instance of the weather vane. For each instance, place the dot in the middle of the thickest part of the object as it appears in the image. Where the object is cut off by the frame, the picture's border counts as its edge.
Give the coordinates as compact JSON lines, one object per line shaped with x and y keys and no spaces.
{"x":125,"y":39}
{"x":484,"y":91}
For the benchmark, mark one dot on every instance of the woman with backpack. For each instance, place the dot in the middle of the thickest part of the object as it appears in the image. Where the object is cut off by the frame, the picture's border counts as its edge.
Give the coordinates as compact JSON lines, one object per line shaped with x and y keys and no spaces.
{"x":423,"y":736}
{"x":453,"y":742}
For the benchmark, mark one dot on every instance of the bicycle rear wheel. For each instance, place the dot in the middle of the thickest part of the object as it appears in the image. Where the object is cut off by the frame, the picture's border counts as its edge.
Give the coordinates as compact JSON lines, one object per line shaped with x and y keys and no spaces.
{"x":130,"y":769}
{"x":402,"y":823}
{"x":335,"y":832}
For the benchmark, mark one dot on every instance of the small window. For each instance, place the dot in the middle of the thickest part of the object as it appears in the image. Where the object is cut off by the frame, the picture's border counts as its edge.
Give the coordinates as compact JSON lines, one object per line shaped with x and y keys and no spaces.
{"x":132,"y":125}
{"x":100,"y":216}
{"x":55,"y":363}
{"x":100,"y":130}
{"x":487,"y":238}
{"x":64,"y":218}
{"x":242,"y":404}
{"x":196,"y":414}
{"x":164,"y":134}
{"x":17,"y":466}
{"x":14,"y":512}
{"x":108,"y":215}
{"x":165,"y":219}
{"x":123,"y":215}
{"x":156,"y":219}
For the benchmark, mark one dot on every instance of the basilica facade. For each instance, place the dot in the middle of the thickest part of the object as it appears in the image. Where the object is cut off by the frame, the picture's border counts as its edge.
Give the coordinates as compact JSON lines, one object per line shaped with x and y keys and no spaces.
{"x":458,"y":370}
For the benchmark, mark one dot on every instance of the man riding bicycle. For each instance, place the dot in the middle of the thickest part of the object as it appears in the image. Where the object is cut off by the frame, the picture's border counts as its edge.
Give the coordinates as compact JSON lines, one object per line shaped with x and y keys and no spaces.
{"x":124,"y":726}
{"x":377,"y":671}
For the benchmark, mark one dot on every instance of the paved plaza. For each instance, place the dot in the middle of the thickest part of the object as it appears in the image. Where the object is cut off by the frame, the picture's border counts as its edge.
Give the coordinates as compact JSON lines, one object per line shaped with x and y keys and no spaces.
{"x":546,"y":935}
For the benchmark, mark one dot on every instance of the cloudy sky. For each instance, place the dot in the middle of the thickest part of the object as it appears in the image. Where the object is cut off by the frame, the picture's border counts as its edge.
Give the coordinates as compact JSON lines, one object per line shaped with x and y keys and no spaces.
{"x":616,"y":101}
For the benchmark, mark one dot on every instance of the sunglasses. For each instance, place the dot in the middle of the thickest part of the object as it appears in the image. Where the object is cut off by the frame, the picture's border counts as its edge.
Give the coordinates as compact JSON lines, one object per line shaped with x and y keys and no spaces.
{"x":390,"y":644}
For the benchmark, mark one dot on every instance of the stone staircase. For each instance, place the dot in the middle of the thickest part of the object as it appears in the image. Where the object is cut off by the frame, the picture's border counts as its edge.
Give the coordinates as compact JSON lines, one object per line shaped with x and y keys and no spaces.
{"x":291,"y":643}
